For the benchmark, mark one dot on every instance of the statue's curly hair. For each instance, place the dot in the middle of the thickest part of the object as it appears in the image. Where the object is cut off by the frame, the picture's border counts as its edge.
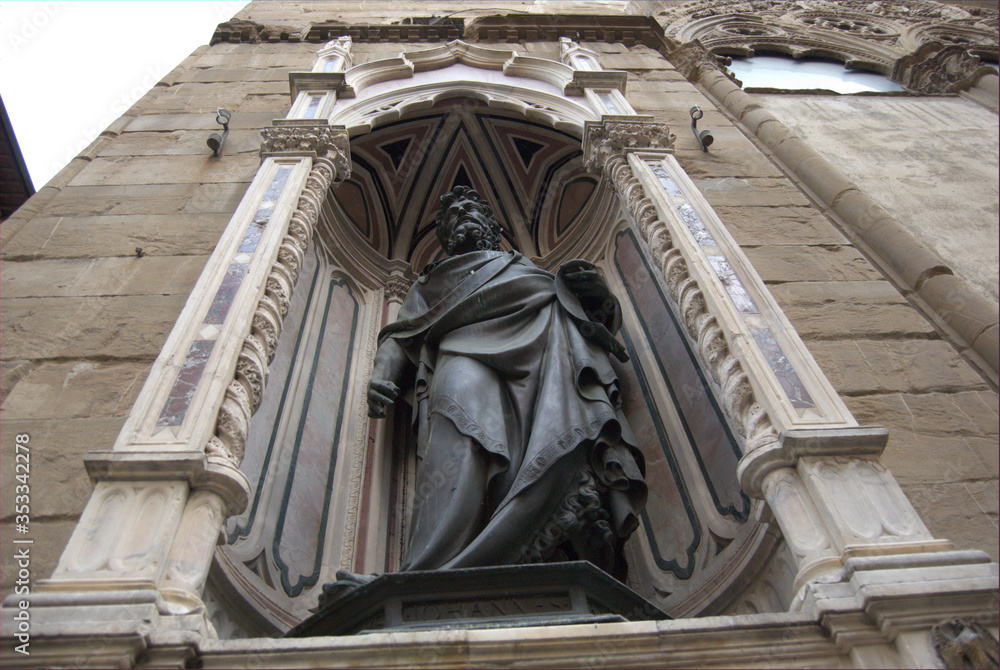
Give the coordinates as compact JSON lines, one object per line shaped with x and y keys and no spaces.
{"x":491,"y":240}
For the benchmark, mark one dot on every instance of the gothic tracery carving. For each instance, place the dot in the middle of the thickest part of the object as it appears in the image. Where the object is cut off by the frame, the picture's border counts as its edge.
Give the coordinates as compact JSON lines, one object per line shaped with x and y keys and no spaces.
{"x":878,"y":36}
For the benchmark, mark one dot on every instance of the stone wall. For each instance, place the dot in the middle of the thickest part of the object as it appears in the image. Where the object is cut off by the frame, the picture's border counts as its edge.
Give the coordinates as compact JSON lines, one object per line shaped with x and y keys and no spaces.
{"x":930,"y":161}
{"x":85,"y":313}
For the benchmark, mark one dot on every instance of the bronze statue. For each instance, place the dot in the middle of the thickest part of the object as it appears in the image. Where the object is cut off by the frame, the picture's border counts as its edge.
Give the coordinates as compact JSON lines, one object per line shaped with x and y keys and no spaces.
{"x":524,"y":453}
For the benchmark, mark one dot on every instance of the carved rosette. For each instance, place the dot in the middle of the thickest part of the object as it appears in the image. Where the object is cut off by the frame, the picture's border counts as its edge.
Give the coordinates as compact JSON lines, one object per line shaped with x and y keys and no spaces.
{"x":330,"y":149}
{"x":605,"y":147}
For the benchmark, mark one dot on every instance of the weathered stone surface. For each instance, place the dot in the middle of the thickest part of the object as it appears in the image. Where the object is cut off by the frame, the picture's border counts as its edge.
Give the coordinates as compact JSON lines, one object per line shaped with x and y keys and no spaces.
{"x":910,"y":168}
{"x":293,"y":59}
{"x":604,"y":47}
{"x":204,"y":90}
{"x":662,"y":81}
{"x":735,"y":192}
{"x":57,"y":471}
{"x":11,"y":372}
{"x":942,"y":414}
{"x":174,"y":170}
{"x":958,"y":511}
{"x":117,"y":327}
{"x":149,"y":275}
{"x":95,"y":236}
{"x":776,"y":226}
{"x":276,"y":104}
{"x":50,"y":538}
{"x":843,"y":310}
{"x":120,"y":200}
{"x":216,"y":198}
{"x":237,"y":74}
{"x":639,"y":57}
{"x":69,"y":390}
{"x":731,"y":154}
{"x":889,"y":366}
{"x":676,"y":105}
{"x":804,"y":264}
{"x":670,"y":75}
{"x":234,"y":101}
{"x":921,"y":458}
{"x":179,"y":142}
{"x":954,"y":299}
{"x":183,"y":121}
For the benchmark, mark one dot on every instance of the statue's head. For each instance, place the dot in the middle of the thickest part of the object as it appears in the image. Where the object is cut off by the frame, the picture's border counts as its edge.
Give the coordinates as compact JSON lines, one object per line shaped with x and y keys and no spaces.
{"x":466,"y":223}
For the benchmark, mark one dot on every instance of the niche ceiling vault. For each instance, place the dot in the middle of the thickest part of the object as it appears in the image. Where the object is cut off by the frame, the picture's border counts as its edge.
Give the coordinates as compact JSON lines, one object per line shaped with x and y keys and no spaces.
{"x":530,"y":173}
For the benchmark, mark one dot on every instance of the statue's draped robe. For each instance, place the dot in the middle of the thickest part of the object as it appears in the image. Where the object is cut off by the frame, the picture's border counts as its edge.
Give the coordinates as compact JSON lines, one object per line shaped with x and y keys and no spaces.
{"x":511,"y":403}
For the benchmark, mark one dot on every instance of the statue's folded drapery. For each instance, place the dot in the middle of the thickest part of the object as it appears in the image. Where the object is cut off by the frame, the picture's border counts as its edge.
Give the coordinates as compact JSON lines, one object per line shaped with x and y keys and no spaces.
{"x":525,"y":453}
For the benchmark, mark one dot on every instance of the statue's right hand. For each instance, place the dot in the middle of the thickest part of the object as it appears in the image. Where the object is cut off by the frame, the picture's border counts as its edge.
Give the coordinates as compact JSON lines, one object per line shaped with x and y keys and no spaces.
{"x":380,"y":394}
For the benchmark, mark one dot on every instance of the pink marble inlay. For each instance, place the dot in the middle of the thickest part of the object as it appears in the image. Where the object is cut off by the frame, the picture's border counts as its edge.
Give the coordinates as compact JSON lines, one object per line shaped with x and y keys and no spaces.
{"x":789,"y":379}
{"x":186,"y":384}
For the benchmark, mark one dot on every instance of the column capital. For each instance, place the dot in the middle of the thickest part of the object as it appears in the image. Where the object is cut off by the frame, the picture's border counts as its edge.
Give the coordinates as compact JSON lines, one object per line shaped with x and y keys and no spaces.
{"x":316,"y":140}
{"x":616,"y":136}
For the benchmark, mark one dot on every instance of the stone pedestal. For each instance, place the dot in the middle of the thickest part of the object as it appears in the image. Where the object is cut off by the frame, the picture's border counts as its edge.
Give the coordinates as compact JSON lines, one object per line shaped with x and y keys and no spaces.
{"x":510,"y":596}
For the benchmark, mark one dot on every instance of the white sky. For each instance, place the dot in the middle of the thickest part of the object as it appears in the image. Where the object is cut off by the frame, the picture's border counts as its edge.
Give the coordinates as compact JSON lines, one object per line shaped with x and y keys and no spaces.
{"x":788,"y":73}
{"x":69,"y":69}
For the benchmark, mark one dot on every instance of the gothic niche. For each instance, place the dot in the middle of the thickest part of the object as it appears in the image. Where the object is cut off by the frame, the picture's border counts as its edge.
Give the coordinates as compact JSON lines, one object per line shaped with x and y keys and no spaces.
{"x":334,"y":489}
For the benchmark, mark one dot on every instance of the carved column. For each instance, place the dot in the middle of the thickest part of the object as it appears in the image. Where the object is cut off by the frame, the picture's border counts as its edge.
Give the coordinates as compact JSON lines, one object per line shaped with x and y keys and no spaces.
{"x":206,"y":510}
{"x":816,"y":468}
{"x":144,"y":544}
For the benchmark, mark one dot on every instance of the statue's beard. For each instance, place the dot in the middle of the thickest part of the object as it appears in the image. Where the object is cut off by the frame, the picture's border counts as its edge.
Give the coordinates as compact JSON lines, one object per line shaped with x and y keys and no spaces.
{"x":470,"y":239}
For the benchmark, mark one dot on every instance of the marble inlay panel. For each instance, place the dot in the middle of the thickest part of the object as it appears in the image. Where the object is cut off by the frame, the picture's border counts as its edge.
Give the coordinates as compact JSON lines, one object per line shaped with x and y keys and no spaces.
{"x":306,"y":499}
{"x":714,"y":444}
{"x":695,"y":225}
{"x":224,"y":297}
{"x":266,"y":207}
{"x":181,"y":394}
{"x":789,"y":379}
{"x":670,"y":187}
{"x":761,"y":332}
{"x":186,"y":384}
{"x":734,"y":287}
{"x":669,"y":520}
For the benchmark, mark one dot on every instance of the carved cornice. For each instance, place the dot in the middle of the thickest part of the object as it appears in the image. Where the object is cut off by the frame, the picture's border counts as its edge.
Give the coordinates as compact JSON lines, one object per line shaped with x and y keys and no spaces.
{"x":331,"y":164}
{"x":241,"y":31}
{"x":614,"y":137}
{"x":628,"y":30}
{"x":937,"y":69}
{"x":860,"y":33}
{"x":605,"y":147}
{"x":250,"y":32}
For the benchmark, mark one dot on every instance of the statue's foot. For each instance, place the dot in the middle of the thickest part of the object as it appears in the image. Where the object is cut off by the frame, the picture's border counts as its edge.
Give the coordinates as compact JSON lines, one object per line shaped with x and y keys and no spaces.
{"x":346,"y":582}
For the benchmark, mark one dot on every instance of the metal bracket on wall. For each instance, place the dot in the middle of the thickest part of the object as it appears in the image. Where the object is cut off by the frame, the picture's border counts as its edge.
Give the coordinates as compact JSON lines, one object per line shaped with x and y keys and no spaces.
{"x":705,"y":137}
{"x":215,"y":140}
